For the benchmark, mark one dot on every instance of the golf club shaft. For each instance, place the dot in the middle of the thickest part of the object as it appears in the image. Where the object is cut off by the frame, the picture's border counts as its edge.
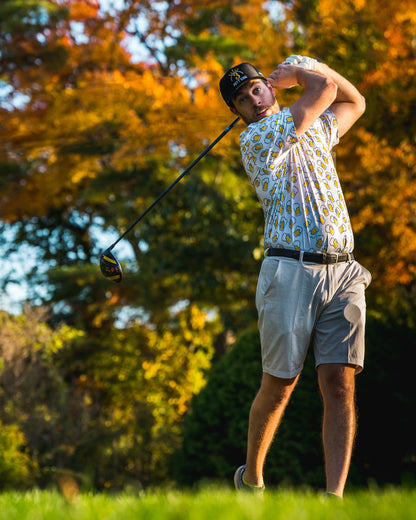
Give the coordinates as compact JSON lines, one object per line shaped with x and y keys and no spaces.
{"x":174,"y":183}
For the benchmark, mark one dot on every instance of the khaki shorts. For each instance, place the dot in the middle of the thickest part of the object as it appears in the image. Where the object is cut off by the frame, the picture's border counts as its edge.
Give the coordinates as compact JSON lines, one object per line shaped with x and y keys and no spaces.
{"x":301,"y":303}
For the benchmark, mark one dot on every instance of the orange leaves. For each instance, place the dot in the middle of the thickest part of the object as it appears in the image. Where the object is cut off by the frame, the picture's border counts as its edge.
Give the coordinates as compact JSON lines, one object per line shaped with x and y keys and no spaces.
{"x":152,"y":112}
{"x":373,"y":44}
{"x":389,"y":207}
{"x":396,"y":50}
{"x":371,"y":146}
{"x":120,"y":119}
{"x":335,"y":15}
{"x":97,"y":116}
{"x":81,"y":10}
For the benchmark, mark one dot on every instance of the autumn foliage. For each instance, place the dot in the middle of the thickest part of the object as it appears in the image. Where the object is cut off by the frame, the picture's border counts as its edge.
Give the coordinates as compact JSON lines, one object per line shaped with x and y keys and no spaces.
{"x":102,"y":104}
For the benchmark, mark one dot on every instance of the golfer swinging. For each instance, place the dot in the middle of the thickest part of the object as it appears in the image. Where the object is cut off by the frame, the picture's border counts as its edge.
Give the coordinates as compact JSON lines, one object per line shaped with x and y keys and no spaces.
{"x":310,"y":288}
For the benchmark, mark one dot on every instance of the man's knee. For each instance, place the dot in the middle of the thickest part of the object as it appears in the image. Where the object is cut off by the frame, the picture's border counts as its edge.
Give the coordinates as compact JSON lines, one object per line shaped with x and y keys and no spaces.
{"x":277,"y":389}
{"x":337,"y":382}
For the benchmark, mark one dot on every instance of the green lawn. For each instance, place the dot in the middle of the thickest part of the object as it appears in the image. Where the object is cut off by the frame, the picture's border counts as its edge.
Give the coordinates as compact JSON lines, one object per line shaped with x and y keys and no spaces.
{"x":209,"y":504}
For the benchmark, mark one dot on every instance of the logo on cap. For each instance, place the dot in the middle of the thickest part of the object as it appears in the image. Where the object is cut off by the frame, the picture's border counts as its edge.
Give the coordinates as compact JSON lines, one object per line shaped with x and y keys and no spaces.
{"x":236,"y":77}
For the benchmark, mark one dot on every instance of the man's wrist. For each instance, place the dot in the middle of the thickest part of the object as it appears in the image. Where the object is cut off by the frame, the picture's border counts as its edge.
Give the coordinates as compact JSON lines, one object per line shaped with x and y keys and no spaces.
{"x":321,"y":68}
{"x":302,"y":76}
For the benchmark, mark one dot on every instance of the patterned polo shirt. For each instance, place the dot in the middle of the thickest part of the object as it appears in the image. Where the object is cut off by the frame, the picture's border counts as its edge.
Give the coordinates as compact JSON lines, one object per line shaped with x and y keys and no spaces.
{"x":297,"y":184}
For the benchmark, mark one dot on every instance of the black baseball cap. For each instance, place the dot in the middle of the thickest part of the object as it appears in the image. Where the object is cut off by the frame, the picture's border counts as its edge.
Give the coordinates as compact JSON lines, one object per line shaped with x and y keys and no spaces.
{"x":235,"y":77}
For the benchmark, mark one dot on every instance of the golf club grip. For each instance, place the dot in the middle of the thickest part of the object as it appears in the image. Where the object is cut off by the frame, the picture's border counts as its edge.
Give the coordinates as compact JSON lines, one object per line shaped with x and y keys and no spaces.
{"x":146,"y":211}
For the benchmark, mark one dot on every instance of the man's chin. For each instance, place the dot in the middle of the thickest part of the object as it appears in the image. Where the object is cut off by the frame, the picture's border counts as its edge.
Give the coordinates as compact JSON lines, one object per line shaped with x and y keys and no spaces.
{"x":266,"y":113}
{"x":263,"y":114}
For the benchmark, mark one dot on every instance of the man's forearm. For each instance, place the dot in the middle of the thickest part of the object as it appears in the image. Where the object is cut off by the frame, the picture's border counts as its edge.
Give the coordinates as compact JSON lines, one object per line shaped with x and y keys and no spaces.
{"x":349,"y":104}
{"x":346,"y":93}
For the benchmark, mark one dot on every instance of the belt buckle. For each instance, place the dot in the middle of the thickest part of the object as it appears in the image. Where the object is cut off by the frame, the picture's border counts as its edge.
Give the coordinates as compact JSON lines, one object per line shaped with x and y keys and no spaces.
{"x":328,"y":258}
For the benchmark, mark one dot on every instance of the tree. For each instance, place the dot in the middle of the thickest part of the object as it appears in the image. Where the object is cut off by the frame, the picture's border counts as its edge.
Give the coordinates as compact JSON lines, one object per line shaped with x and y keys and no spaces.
{"x":34,"y":399}
{"x":373,"y":44}
{"x":106,"y":410}
{"x":92,"y":153}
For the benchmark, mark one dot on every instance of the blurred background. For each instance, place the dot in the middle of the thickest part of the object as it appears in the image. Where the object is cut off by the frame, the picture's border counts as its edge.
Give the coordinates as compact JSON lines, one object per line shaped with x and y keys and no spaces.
{"x":149,"y":382}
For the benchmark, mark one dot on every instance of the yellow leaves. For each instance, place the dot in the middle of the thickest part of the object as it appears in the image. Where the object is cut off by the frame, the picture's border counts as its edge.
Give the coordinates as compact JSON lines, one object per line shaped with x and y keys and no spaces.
{"x":330,"y":8}
{"x":175,"y":369}
{"x":28,"y":333}
{"x":331,"y":12}
{"x":371,"y":146}
{"x":86,"y":168}
{"x":64,"y":336}
{"x":254,"y":21}
{"x":338,"y":14}
{"x":198,"y":318}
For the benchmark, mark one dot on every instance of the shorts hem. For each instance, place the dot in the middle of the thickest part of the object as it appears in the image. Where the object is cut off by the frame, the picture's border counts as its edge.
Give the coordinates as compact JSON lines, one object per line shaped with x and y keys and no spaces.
{"x":281,"y":374}
{"x":359,"y":365}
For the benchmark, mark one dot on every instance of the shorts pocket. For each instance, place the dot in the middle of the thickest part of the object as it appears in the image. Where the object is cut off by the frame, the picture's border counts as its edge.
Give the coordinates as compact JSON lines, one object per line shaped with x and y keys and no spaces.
{"x":268,"y":272}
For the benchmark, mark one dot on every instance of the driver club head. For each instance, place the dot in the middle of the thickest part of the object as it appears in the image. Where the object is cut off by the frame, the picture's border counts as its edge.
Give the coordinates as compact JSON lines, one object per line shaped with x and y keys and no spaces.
{"x":110,"y":266}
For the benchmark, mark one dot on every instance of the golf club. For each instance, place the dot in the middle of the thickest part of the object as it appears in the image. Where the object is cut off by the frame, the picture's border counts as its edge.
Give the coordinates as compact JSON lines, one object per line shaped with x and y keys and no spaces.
{"x":109,"y":265}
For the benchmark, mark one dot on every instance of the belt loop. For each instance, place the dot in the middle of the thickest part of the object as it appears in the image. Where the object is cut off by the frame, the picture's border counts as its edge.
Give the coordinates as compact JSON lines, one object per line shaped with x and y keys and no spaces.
{"x":337,"y":256}
{"x":301,"y":257}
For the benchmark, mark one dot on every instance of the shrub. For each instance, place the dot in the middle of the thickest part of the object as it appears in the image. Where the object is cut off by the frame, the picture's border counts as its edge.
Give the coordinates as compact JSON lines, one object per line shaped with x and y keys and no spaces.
{"x":215,"y":430}
{"x":16,"y":467}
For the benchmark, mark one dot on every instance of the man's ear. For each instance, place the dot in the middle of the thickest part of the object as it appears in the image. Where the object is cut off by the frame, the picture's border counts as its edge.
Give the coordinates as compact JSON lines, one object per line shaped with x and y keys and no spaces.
{"x":234,"y":111}
{"x":271,"y":87}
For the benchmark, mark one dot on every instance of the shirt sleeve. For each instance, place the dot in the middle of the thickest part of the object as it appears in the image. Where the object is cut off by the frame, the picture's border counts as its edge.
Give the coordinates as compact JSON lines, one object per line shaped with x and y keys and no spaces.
{"x":329,"y":125}
{"x":265,"y":143}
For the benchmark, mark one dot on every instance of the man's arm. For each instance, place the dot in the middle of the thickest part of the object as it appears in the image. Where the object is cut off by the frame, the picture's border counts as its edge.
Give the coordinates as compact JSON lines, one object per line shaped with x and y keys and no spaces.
{"x":320,"y":92}
{"x":349,"y":105}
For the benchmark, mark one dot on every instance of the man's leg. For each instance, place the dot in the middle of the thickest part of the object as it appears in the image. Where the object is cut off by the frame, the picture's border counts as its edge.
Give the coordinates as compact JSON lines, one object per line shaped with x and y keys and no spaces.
{"x":337,"y":384}
{"x":265,"y":416}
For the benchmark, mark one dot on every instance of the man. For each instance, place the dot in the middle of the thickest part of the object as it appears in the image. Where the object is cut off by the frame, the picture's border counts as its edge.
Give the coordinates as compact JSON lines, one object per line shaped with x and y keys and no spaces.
{"x":310,"y":288}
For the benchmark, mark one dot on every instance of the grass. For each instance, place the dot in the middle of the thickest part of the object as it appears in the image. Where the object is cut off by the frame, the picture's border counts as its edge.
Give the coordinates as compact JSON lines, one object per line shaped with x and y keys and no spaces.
{"x":209,"y":504}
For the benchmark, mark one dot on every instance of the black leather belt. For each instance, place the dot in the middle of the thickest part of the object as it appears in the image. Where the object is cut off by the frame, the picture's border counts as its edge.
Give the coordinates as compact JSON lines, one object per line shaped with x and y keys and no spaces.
{"x":316,"y":258}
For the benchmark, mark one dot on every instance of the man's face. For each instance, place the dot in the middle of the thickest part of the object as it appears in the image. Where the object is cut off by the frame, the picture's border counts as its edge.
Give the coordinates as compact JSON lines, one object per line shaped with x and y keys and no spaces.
{"x":255,"y":100}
